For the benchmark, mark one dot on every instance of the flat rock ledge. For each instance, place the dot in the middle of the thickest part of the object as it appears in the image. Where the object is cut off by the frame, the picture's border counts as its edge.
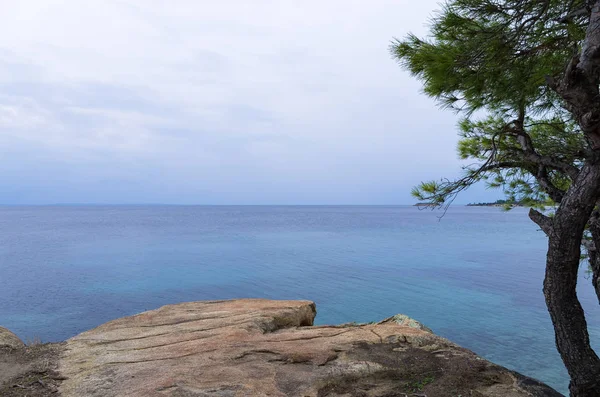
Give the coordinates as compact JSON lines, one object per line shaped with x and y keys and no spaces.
{"x":255,"y":347}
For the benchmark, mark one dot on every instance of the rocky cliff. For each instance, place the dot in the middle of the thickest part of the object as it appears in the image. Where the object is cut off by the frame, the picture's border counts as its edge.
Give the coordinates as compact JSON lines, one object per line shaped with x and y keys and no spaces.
{"x":262,"y":348}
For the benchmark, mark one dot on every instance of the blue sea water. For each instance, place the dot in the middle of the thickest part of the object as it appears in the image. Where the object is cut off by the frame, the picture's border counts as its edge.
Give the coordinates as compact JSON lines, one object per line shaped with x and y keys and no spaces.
{"x":475,"y":276}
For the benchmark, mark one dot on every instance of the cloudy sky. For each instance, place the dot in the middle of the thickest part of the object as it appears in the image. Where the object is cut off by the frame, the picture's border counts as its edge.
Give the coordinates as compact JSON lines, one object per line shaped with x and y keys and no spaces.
{"x":229,"y":102}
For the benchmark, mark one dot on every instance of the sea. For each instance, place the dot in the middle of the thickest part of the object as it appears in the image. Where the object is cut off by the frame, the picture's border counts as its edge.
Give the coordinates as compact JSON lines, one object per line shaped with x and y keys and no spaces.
{"x":472,"y":274}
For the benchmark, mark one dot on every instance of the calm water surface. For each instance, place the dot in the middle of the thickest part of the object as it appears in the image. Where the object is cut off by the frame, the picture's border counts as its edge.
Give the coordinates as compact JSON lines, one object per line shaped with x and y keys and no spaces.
{"x":474,"y":277}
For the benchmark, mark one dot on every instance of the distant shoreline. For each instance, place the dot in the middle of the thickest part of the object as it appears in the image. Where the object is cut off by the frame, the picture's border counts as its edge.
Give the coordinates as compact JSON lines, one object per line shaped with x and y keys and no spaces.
{"x":492,"y":205}
{"x":499,"y":203}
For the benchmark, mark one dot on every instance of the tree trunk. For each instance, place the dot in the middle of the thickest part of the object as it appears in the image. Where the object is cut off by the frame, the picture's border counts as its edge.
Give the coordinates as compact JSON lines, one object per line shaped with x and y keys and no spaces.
{"x":596,"y":276}
{"x":565,"y":232}
{"x":594,"y":261}
{"x":568,"y":318}
{"x":593,"y":251}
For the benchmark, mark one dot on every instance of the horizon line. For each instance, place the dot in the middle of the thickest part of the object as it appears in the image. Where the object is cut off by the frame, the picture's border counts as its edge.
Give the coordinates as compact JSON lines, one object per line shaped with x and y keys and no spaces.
{"x":205,"y":205}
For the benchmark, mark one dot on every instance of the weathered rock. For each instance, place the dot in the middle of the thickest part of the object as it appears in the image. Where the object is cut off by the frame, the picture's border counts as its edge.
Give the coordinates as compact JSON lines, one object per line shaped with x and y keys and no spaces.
{"x":403,"y":319}
{"x":30,"y":371}
{"x":269,"y":348}
{"x":27,"y":370}
{"x":7,"y":338}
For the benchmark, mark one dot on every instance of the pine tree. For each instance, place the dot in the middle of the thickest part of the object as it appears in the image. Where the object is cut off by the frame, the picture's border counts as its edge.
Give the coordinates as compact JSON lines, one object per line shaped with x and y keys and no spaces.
{"x":525,"y":76}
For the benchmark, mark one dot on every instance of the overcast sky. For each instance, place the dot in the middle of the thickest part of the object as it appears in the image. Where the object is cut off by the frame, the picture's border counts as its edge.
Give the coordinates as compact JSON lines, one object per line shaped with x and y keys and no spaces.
{"x":205,"y":102}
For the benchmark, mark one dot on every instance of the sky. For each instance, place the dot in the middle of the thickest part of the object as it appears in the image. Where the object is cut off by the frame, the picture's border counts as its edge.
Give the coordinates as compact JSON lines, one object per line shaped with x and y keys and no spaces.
{"x":204,"y":102}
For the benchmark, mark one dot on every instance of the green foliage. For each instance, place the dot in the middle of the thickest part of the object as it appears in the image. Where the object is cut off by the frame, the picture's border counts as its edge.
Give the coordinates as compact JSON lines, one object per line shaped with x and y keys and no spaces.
{"x":484,"y":55}
{"x":420,"y":384}
{"x":489,"y":60}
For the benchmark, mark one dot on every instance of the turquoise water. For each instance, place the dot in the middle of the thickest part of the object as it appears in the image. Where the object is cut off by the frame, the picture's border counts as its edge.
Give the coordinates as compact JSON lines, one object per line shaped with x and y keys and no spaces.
{"x":474,"y":277}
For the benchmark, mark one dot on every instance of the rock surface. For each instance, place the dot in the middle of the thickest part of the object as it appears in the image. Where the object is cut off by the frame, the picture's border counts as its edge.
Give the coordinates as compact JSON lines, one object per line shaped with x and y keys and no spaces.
{"x":7,"y":338}
{"x":30,"y":371}
{"x":270,"y":348}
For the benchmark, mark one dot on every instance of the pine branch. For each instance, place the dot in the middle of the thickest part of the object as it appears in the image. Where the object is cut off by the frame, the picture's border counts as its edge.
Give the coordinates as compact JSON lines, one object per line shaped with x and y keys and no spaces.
{"x":544,"y":222}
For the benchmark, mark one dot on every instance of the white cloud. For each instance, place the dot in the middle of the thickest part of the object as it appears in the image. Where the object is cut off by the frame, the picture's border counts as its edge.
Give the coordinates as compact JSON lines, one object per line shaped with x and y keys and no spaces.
{"x":18,"y":113}
{"x":290,"y":89}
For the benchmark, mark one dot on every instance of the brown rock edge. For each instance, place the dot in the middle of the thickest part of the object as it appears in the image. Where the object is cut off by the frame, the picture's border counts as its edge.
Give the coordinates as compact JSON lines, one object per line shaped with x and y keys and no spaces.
{"x":255,"y":347}
{"x":8,"y":339}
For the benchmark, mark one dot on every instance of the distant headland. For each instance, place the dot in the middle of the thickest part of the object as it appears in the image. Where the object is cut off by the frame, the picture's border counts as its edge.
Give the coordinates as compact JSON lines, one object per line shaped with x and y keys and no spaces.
{"x":425,"y":205}
{"x":498,"y":203}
